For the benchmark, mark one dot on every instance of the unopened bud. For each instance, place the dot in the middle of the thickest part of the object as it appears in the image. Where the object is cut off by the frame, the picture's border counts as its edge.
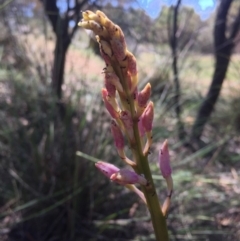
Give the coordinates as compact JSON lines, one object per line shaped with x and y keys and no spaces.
{"x":110,"y":106}
{"x":117,"y":135}
{"x":106,"y":168}
{"x":112,"y":78}
{"x":106,"y":22}
{"x":110,"y":88}
{"x":165,"y":167}
{"x":147,"y":117}
{"x":164,"y":160}
{"x":125,"y":176}
{"x":126,"y":119}
{"x":94,"y":26}
{"x":119,"y":47}
{"x":89,"y":15}
{"x":144,"y":95}
{"x":105,"y":50}
{"x":131,"y":63}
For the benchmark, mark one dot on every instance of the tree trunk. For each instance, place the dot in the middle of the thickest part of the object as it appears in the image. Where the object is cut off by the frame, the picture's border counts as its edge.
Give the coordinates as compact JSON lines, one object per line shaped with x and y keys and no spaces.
{"x":223,"y":50}
{"x":58,"y":66}
{"x":174,"y":47}
{"x":64,"y":34}
{"x":207,"y":106}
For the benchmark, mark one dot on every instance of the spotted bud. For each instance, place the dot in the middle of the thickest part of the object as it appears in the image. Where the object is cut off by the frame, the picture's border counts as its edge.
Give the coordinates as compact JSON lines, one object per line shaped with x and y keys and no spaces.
{"x":110,"y":88}
{"x":110,"y":104}
{"x":118,"y":44}
{"x":94,"y":26}
{"x":106,"y":168}
{"x":111,"y":77}
{"x":131,"y":63}
{"x":107,"y":24}
{"x":144,"y":95}
{"x":105,"y":50}
{"x":89,"y":15}
{"x":125,"y":176}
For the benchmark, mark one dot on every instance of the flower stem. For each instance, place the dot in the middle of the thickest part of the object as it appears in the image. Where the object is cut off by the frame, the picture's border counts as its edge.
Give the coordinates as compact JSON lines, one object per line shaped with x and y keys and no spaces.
{"x":158,"y":220}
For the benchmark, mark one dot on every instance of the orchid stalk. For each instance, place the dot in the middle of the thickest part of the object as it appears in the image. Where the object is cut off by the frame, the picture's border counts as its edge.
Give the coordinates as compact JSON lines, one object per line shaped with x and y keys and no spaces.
{"x":132,"y":115}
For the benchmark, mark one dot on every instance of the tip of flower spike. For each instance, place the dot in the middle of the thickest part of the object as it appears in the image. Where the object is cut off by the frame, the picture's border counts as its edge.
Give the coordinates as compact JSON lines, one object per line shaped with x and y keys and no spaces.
{"x":164,"y":160}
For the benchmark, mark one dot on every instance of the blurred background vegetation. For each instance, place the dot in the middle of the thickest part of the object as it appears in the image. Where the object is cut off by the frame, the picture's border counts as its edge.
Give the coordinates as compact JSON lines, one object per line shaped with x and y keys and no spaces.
{"x":50,"y":108}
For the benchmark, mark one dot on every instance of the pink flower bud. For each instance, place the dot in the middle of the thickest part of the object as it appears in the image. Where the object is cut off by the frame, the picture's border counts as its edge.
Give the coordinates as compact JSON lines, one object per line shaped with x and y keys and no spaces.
{"x":164,"y":160}
{"x":118,"y":44}
{"x":106,"y":47}
{"x":111,"y":89}
{"x":126,"y":119}
{"x":106,"y":168}
{"x":140,"y":127}
{"x":132,"y":64}
{"x":117,"y":135}
{"x":111,"y":77}
{"x":125,"y":176}
{"x":105,"y":50}
{"x":147,"y":117}
{"x":120,"y":176}
{"x":109,"y":106}
{"x":144,"y":95}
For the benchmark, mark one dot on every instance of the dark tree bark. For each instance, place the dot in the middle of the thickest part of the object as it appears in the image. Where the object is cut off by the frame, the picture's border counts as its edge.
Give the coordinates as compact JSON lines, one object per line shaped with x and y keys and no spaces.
{"x":61,"y":47}
{"x":173,"y":40}
{"x":223,"y":47}
{"x":64,"y":34}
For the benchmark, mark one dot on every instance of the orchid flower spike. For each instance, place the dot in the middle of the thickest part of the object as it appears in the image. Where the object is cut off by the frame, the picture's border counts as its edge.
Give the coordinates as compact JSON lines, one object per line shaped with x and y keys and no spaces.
{"x":132,"y":113}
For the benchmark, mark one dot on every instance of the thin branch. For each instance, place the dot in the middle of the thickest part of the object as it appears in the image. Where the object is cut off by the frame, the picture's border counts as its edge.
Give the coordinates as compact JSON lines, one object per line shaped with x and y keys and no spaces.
{"x":235,"y":26}
{"x":52,"y":12}
{"x":223,"y":50}
{"x":174,"y":46}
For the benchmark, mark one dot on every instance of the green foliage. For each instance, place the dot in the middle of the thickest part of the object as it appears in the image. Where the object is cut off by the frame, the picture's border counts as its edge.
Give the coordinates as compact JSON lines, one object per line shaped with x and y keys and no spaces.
{"x":39,"y":167}
{"x":189,"y":23}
